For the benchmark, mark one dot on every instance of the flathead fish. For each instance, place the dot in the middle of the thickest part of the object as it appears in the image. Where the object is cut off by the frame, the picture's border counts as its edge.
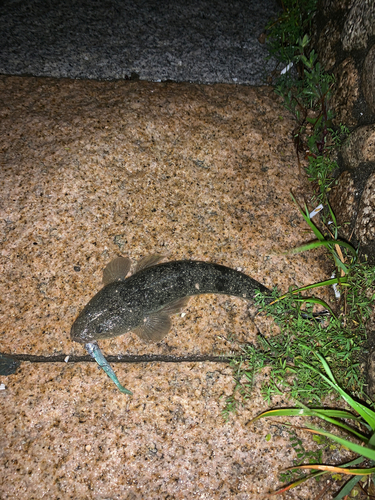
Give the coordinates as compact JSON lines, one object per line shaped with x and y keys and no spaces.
{"x":144,"y":302}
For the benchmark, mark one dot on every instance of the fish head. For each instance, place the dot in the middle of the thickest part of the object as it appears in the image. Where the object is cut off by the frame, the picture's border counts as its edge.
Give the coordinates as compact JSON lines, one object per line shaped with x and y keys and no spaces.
{"x":107,"y":315}
{"x":89,"y":327}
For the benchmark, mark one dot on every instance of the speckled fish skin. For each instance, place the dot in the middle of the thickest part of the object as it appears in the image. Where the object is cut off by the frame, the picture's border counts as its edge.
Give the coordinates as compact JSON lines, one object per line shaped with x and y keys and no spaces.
{"x":122,"y":306}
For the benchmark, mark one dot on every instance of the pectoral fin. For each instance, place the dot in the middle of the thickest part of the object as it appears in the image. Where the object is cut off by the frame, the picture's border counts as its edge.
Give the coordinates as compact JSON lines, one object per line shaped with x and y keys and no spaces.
{"x":154,"y":328}
{"x":157,"y":325}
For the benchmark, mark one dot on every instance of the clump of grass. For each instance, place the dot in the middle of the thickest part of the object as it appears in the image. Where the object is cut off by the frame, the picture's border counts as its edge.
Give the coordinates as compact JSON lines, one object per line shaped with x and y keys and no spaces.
{"x":340,"y":338}
{"x":361,"y":427}
{"x":338,"y":335}
{"x":293,"y":22}
{"x":341,"y":251}
{"x":306,"y":92}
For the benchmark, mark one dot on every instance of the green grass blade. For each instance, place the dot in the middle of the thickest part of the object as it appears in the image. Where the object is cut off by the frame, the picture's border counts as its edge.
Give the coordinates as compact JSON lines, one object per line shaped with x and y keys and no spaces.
{"x":333,"y":281}
{"x":333,"y":217}
{"x":367,"y":414}
{"x":336,"y":414}
{"x":347,"y":488}
{"x":339,"y":263}
{"x":330,"y":416}
{"x":356,"y":461}
{"x":306,"y":216}
{"x":328,"y":244}
{"x":315,"y":300}
{"x":306,"y":412}
{"x":343,"y":425}
{"x":308,"y":246}
{"x":371,"y":441}
{"x":361,"y":450}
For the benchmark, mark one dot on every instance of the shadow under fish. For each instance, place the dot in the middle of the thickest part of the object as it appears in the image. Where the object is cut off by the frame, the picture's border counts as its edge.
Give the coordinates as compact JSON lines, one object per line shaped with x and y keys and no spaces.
{"x":144,"y":302}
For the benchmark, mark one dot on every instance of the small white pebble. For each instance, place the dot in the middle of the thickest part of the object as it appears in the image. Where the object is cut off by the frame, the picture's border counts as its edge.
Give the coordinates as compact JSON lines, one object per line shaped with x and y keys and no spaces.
{"x":197,"y":286}
{"x":316,"y":211}
{"x":2,"y":387}
{"x":183,"y":315}
{"x":66,"y":359}
{"x":336,"y":288}
{"x":287,"y":68}
{"x":88,"y":448}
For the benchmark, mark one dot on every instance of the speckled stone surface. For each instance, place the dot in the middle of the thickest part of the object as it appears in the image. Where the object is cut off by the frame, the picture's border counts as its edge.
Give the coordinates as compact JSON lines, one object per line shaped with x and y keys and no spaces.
{"x":179,"y":40}
{"x":91,"y":170}
{"x":66,"y":435}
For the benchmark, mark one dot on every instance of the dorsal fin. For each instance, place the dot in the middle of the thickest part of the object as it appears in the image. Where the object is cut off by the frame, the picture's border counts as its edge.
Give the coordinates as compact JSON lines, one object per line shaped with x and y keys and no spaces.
{"x":116,"y":270}
{"x":148,"y":261}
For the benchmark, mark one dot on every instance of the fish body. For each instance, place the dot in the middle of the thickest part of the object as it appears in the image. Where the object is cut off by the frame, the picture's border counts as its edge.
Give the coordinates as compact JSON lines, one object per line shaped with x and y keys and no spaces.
{"x":144,"y":301}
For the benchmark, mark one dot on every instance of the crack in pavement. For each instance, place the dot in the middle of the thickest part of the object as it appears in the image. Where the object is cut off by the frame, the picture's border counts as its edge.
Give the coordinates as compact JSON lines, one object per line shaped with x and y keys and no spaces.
{"x":121,"y":358}
{"x":10,"y":363}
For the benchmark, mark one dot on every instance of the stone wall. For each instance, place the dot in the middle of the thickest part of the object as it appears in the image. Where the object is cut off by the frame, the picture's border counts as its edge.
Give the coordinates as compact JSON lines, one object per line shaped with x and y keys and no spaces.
{"x":344,"y":37}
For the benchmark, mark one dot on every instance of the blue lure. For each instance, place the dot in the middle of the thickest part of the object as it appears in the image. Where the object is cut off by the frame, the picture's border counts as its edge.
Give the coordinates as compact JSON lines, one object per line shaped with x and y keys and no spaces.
{"x":94,"y":350}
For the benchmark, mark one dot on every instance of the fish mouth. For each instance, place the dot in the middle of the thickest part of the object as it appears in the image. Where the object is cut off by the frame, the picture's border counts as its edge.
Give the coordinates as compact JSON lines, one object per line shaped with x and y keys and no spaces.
{"x":80,"y":335}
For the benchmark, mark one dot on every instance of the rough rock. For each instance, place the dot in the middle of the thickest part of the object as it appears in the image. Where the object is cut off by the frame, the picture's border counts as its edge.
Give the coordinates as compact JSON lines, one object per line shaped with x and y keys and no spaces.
{"x":352,"y":200}
{"x":328,"y":7}
{"x":344,"y":200}
{"x":329,"y":37}
{"x":359,"y":146}
{"x":350,"y":56}
{"x":365,"y":227}
{"x":359,"y":25}
{"x":346,"y":93}
{"x":368,"y":79}
{"x":344,"y":42}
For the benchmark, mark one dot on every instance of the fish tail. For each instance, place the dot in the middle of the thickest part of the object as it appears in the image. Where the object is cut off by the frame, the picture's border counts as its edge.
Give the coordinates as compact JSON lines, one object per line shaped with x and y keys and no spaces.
{"x":94,"y":350}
